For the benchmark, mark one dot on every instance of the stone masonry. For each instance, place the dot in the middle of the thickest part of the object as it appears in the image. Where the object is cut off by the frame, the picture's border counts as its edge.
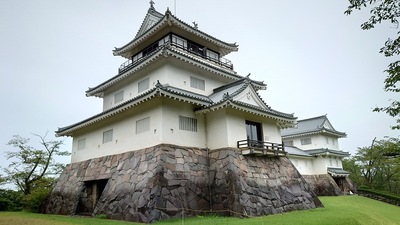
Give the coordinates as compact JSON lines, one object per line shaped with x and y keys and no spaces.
{"x":166,"y":181}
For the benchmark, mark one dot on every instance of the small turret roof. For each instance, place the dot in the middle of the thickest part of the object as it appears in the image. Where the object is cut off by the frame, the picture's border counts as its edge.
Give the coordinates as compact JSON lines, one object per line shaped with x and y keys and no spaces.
{"x":310,"y":126}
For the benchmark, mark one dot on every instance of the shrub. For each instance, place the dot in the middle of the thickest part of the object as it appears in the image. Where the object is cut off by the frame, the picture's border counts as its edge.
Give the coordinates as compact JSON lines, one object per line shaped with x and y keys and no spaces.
{"x":11,"y":200}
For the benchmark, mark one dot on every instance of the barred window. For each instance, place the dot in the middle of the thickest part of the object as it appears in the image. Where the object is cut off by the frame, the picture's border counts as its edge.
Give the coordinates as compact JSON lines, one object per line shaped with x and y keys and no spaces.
{"x":82,"y":144}
{"x":143,"y":125}
{"x":143,"y":85}
{"x":305,"y":141}
{"x":187,"y":123}
{"x":197,"y":83}
{"x":107,"y":136}
{"x":119,"y":97}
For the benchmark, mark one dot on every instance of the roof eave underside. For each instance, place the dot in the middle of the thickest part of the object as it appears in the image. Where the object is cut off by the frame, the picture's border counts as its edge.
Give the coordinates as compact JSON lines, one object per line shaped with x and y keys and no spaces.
{"x":170,"y":20}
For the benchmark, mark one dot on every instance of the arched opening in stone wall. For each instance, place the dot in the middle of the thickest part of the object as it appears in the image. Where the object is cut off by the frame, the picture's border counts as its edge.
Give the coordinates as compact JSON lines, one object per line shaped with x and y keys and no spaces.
{"x":90,"y":195}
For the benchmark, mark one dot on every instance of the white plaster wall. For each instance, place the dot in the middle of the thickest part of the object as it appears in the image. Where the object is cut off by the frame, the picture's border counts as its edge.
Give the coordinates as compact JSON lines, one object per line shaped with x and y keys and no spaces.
{"x":172,"y":74}
{"x":303,"y":165}
{"x":217,"y":129}
{"x":171,"y":134}
{"x":164,"y":128}
{"x":320,"y":165}
{"x":317,"y":141}
{"x":227,"y":126}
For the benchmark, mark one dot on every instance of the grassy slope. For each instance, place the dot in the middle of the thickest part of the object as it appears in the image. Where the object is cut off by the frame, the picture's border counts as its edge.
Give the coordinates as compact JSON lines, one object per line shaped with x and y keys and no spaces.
{"x":338,"y":210}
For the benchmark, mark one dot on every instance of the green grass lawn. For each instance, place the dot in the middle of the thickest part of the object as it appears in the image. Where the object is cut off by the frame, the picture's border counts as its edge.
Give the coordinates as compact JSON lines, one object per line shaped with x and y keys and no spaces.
{"x":338,"y":210}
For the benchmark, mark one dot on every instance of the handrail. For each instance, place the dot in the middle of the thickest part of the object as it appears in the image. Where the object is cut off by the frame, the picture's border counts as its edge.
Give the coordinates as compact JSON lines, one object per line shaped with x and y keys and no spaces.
{"x":189,"y":48}
{"x":269,"y":148}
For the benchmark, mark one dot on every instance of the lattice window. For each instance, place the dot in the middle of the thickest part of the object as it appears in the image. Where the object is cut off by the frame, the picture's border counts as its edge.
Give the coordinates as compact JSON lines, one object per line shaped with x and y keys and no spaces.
{"x":305,"y":141}
{"x":197,"y":83}
{"x":187,"y":123}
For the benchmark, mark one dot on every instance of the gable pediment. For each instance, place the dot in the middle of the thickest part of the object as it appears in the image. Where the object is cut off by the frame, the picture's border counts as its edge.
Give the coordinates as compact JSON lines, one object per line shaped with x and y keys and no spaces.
{"x":250,"y":96}
{"x":327,"y":125}
{"x":151,"y":18}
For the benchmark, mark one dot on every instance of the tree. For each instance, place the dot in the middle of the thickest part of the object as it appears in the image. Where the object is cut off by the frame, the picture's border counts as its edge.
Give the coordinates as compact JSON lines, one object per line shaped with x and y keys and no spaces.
{"x":385,"y":10}
{"x":372,"y":167}
{"x":29,"y":165}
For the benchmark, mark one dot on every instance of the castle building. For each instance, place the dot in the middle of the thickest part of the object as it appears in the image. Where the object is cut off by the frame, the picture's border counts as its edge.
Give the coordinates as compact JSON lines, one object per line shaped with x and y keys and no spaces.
{"x":313,"y":147}
{"x":180,"y":132}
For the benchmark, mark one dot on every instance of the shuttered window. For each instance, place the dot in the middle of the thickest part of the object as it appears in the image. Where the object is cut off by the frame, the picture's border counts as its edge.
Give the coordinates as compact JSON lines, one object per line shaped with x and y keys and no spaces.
{"x":143,"y":85}
{"x":107,"y":136}
{"x":82,"y":144}
{"x":119,"y":97}
{"x":143,"y":125}
{"x":187,"y":123}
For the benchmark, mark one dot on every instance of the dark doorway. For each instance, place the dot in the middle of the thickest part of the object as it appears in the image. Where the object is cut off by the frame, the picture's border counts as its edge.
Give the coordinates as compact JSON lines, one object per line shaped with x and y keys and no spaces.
{"x":254,"y":133}
{"x":90,"y":195}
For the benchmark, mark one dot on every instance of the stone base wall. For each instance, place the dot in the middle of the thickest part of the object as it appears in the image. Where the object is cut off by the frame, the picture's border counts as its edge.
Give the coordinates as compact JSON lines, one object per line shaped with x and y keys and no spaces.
{"x":255,"y":186}
{"x":325,"y":185}
{"x":165,"y":181}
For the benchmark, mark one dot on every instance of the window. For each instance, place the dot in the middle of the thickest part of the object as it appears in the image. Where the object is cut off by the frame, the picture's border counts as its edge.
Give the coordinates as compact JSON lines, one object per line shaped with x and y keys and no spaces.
{"x":143,"y":125}
{"x":288,"y":143}
{"x":197,"y":83}
{"x":327,"y":140}
{"x":82,"y":144}
{"x":143,"y":85}
{"x":187,"y":123}
{"x":254,"y":133}
{"x":212,"y":55}
{"x":305,"y":141}
{"x":119,"y":97}
{"x":180,"y":42}
{"x":107,"y":136}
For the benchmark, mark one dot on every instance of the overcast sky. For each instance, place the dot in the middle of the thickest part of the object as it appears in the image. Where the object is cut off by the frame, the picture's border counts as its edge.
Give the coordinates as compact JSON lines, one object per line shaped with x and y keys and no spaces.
{"x":314,"y":59}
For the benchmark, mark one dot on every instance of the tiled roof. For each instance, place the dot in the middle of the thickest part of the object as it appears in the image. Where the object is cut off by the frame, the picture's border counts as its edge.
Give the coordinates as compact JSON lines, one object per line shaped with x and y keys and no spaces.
{"x":320,"y":151}
{"x":169,"y":19}
{"x":314,"y":125}
{"x":180,"y":94}
{"x":156,"y":55}
{"x":291,"y":150}
{"x":337,"y":172}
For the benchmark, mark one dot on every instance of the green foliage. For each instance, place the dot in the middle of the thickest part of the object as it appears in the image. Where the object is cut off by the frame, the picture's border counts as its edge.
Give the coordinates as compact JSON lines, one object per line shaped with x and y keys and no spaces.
{"x":347,"y":210}
{"x":101,"y":216}
{"x":376,"y":167}
{"x":384,"y":194}
{"x":31,"y":165}
{"x":387,"y":10}
{"x":11,"y":200}
{"x":39,"y":194}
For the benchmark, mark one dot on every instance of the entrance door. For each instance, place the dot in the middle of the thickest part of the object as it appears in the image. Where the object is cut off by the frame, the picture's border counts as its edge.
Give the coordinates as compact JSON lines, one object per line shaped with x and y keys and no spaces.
{"x":254,"y":133}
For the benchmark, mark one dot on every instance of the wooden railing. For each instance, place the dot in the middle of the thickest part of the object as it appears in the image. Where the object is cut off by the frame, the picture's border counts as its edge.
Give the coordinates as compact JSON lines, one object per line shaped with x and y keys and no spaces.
{"x":187,"y":47}
{"x":261,"y":148}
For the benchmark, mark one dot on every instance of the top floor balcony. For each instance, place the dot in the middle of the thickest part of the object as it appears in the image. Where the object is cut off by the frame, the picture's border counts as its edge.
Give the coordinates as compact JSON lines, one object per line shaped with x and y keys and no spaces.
{"x":181,"y":44}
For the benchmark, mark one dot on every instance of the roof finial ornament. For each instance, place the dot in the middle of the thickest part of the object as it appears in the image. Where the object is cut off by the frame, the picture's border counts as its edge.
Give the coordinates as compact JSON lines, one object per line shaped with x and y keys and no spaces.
{"x":152,"y":4}
{"x":195,"y":25}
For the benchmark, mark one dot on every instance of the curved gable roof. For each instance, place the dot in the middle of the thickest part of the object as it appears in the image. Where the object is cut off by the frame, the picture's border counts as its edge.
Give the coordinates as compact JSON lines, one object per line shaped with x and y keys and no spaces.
{"x":310,"y":126}
{"x":169,"y":20}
